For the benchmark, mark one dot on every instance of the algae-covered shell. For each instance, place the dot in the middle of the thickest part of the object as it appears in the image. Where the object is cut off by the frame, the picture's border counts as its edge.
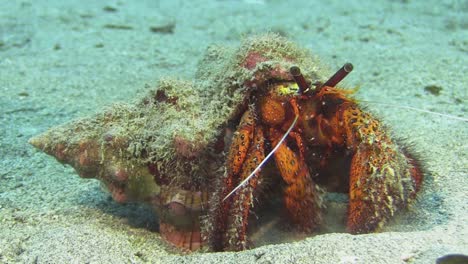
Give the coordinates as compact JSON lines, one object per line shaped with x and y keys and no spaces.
{"x":177,"y":125}
{"x":171,"y":141}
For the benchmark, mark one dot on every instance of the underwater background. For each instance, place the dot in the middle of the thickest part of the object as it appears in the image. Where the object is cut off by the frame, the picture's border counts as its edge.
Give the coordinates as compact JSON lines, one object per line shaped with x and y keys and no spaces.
{"x":61,"y":60}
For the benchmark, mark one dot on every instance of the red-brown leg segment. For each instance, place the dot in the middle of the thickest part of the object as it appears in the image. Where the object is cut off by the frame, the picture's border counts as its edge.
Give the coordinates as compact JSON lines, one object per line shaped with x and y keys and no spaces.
{"x":236,"y":157}
{"x":240,"y":144}
{"x":245,"y":153}
{"x":236,"y":232}
{"x":301,"y":197}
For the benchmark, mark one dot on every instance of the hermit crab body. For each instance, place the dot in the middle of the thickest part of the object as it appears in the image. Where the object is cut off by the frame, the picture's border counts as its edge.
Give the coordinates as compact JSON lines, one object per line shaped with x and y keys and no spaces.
{"x":202,"y":152}
{"x":379,"y":176}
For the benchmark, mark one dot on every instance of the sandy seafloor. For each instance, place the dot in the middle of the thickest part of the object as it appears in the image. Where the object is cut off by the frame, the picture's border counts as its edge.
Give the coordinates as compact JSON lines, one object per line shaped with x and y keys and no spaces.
{"x":60,"y":60}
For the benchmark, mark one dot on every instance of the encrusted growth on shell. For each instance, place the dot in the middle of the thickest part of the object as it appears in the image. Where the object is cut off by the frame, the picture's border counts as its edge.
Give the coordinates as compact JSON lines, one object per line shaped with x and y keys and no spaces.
{"x":177,"y":123}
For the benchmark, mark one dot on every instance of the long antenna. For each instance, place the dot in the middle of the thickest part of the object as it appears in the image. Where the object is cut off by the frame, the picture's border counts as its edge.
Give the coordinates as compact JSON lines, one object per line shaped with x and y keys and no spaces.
{"x":464,"y":119}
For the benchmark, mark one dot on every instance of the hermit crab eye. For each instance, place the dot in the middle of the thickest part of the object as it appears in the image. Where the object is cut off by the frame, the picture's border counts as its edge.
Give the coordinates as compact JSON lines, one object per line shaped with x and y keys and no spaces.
{"x":299,"y":78}
{"x":288,"y":89}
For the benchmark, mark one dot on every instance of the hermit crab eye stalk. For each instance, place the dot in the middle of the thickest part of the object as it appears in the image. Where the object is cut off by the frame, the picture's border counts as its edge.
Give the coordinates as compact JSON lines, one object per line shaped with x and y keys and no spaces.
{"x":299,"y":78}
{"x":339,"y":75}
{"x":332,"y":82}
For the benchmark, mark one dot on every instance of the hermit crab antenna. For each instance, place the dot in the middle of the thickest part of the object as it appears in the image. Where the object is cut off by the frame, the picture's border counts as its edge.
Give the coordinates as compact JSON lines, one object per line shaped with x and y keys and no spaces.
{"x":264,"y":160}
{"x":339,"y":75}
{"x":299,"y":78}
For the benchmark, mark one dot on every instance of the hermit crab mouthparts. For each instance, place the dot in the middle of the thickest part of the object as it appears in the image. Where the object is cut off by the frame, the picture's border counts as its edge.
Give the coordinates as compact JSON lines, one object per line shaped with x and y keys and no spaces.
{"x":264,"y":160}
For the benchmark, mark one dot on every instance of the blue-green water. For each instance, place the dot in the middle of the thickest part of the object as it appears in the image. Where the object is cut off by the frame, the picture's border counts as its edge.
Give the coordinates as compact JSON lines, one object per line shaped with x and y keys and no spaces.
{"x":63,"y":60}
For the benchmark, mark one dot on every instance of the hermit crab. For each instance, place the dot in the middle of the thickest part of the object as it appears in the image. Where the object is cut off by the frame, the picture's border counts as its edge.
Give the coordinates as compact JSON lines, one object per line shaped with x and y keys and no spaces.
{"x":263,"y":118}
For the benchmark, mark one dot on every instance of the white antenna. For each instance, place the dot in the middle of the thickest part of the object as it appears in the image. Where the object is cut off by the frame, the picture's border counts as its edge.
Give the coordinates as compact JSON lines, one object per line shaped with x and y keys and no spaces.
{"x":419,"y":110}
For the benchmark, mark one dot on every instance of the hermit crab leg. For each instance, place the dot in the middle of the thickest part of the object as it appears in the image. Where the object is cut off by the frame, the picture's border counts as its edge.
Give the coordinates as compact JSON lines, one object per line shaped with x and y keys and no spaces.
{"x":239,"y":210}
{"x":301,"y":196}
{"x":245,"y":152}
{"x":264,"y":160}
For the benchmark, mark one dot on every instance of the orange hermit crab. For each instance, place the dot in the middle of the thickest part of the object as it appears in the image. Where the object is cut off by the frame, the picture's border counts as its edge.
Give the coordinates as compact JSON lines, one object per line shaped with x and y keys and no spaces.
{"x":318,"y":137}
{"x":199,"y":152}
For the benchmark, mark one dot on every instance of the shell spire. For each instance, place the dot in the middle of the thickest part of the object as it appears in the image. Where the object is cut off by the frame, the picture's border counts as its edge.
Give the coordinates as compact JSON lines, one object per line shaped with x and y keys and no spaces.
{"x":95,"y":149}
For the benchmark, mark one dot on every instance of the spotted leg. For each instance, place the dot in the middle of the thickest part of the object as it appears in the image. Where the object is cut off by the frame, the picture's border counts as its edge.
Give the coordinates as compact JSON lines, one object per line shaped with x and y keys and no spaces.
{"x":301,"y":197}
{"x":245,"y":153}
{"x":383,"y":179}
{"x":242,"y":200}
